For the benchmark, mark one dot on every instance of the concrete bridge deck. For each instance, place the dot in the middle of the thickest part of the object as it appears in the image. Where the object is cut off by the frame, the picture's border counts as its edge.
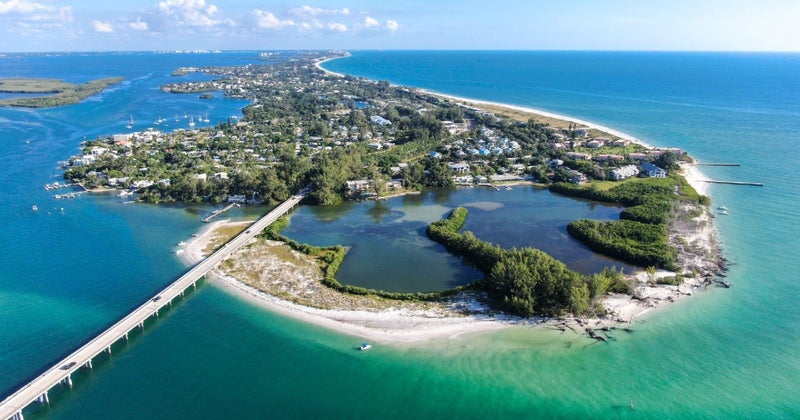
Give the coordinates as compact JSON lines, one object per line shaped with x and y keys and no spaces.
{"x":37,"y":389}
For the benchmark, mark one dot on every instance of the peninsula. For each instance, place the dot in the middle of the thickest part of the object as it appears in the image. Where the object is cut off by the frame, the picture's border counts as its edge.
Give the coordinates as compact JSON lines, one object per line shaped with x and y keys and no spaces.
{"x":60,"y":93}
{"x":353,"y":138}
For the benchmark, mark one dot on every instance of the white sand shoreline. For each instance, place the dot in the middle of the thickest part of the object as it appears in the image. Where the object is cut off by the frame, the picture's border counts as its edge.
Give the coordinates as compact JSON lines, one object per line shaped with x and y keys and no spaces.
{"x":396,"y":325}
{"x":403,"y":326}
{"x":543,"y":113}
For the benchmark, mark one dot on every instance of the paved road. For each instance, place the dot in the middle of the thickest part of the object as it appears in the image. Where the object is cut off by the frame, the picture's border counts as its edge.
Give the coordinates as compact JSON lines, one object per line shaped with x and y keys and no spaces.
{"x":62,"y":370}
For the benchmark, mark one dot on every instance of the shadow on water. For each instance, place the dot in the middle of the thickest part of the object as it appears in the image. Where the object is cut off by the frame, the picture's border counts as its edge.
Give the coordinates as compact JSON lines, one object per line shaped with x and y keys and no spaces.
{"x":380,"y":210}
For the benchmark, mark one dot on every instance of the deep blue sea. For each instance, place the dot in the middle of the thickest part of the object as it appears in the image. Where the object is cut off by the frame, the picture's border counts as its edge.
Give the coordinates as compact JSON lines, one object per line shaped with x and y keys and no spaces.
{"x":722,"y":353}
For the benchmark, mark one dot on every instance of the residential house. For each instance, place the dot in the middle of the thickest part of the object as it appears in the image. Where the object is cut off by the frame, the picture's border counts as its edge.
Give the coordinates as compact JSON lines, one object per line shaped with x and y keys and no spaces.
{"x":377,"y":119}
{"x":578,"y":156}
{"x":576,"y":177}
{"x":238,"y":199}
{"x":624,"y":172}
{"x":608,"y":158}
{"x":653,"y":171}
{"x":359,"y":187}
{"x":459,"y":168}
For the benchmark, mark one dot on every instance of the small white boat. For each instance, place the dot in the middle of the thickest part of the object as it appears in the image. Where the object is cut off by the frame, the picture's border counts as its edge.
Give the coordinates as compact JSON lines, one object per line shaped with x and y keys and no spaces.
{"x":365,"y":346}
{"x":130,"y":123}
{"x":35,"y":208}
{"x":191,"y":122}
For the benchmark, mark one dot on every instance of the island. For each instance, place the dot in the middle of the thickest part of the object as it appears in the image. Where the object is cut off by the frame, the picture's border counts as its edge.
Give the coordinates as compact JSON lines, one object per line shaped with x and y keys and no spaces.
{"x":60,"y":93}
{"x":352,"y":138}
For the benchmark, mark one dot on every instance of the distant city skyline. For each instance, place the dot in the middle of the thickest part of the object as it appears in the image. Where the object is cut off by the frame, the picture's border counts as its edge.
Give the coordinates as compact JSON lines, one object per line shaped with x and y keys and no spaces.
{"x":147,"y":25}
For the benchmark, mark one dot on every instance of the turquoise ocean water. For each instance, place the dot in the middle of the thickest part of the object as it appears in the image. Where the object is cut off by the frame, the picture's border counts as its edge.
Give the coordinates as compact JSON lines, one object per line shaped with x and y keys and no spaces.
{"x":723,"y":353}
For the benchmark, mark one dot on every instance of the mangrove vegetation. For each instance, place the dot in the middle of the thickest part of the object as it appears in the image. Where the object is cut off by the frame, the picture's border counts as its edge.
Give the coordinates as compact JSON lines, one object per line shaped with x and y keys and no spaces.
{"x":60,"y":93}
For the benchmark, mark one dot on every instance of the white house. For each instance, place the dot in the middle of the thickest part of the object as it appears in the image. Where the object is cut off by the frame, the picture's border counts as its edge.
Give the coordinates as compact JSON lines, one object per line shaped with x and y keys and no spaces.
{"x":377,"y":119}
{"x":459,"y":168}
{"x":624,"y":172}
{"x":653,"y":171}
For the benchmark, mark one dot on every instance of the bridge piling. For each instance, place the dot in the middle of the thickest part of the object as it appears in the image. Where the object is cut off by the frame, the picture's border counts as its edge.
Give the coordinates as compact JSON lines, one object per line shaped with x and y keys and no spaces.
{"x":43,"y":399}
{"x":37,"y":390}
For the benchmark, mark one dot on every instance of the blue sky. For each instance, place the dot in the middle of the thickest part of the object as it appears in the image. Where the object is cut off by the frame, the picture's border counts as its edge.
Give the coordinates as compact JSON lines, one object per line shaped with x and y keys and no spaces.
{"x":685,"y":25}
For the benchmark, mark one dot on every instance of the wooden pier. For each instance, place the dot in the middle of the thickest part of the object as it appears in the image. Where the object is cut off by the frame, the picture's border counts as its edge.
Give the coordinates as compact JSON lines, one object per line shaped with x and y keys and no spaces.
{"x":718,"y":164}
{"x":61,"y":372}
{"x":754,"y":184}
{"x":216,"y":213}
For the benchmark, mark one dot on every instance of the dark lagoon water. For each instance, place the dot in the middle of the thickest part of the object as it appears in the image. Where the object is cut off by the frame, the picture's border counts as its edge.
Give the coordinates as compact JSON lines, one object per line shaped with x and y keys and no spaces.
{"x":722,"y":354}
{"x":390,"y":251}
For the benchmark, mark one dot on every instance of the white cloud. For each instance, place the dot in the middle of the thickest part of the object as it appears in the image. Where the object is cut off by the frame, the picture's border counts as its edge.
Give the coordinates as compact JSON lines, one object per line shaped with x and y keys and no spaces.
{"x":392,"y":25}
{"x":192,"y":13}
{"x":310,"y":26}
{"x":36,"y":12}
{"x":337,"y":27}
{"x":139,"y":25}
{"x":266,"y":20}
{"x":22,"y":6}
{"x":311,"y":12}
{"x":102,"y":27}
{"x":370,"y":22}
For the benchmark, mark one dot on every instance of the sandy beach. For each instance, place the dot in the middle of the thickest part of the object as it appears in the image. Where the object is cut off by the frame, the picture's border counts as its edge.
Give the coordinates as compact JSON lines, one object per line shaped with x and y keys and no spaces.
{"x":401,"y":323}
{"x":405,"y":323}
{"x":408,"y":323}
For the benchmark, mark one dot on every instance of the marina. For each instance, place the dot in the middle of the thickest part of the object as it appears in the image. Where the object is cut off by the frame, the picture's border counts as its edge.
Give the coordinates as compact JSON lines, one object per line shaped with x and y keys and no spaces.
{"x":57,"y":185}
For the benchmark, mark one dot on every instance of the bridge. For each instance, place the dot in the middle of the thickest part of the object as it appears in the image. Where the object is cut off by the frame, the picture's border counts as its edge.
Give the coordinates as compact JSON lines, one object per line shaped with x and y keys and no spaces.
{"x":61,"y":372}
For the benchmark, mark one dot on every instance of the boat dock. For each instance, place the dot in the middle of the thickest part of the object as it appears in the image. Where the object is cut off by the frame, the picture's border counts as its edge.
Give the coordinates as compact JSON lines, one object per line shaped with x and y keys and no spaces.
{"x":486,"y":184}
{"x":61,"y":371}
{"x":69,"y":195}
{"x":217,"y":212}
{"x":718,"y":164}
{"x":57,"y":185}
{"x":712,"y":181}
{"x":754,"y":184}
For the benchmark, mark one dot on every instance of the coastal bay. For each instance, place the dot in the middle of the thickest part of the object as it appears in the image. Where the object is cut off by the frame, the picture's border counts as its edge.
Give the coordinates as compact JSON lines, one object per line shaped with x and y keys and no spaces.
{"x":725,"y":353}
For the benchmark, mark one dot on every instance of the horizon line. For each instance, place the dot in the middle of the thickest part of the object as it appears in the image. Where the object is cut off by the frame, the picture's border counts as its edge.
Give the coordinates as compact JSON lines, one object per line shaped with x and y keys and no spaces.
{"x":217,"y":50}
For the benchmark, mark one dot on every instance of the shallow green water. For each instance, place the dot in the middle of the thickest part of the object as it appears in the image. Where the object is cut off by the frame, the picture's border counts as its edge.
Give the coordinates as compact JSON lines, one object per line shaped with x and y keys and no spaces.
{"x":725,"y":353}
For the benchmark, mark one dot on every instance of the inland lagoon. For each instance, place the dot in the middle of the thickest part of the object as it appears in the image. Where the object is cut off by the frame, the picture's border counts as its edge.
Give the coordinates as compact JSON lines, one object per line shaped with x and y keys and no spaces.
{"x":721,"y":353}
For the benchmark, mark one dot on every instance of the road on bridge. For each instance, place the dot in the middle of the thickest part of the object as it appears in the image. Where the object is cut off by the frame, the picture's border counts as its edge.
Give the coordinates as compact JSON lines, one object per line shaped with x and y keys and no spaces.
{"x":12,"y":406}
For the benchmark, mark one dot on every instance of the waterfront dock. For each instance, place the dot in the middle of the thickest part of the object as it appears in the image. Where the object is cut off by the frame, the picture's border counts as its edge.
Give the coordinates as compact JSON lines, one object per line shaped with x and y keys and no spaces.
{"x":61,"y":372}
{"x":718,"y":164}
{"x":57,"y":185}
{"x":754,"y":184}
{"x":216,"y":213}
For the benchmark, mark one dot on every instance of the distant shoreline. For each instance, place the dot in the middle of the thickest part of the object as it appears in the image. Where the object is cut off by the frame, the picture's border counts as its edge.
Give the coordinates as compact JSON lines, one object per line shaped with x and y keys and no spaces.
{"x":692,"y":174}
{"x":526,"y":109}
